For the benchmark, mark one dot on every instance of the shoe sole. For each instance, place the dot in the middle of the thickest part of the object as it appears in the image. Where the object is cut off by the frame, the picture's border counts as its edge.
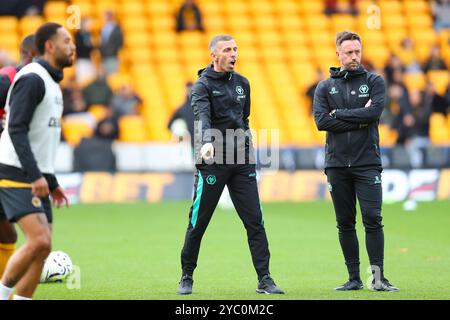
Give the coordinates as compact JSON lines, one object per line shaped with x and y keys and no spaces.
{"x":184,"y":293}
{"x":261,"y":291}
{"x":381,"y":290}
{"x":356,"y":289}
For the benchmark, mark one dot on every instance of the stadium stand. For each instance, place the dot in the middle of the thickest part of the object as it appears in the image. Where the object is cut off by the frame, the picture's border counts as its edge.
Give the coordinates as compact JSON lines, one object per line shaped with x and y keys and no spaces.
{"x":281,"y":45}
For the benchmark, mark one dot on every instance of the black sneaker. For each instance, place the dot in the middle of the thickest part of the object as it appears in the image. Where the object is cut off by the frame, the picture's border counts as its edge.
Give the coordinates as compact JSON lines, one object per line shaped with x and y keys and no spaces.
{"x":185,"y":286}
{"x":350,"y":285}
{"x":383,"y":285}
{"x":267,"y":285}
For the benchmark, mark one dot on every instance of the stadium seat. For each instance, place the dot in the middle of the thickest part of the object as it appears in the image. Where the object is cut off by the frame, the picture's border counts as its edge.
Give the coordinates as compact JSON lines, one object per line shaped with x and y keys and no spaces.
{"x":416,"y":6}
{"x":414,"y":81}
{"x":74,"y":131}
{"x":29,"y":25}
{"x":283,"y":8}
{"x":99,"y":111}
{"x":308,"y":8}
{"x":392,"y":22}
{"x":291,"y":22}
{"x":390,"y":6}
{"x":9,"y":24}
{"x":132,"y":129}
{"x":116,"y":80}
{"x":439,"y":131}
{"x":341,"y":22}
{"x":55,"y":8}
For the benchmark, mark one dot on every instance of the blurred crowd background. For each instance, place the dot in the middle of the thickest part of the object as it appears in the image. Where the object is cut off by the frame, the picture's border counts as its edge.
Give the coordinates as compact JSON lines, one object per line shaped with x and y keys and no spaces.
{"x":136,"y":61}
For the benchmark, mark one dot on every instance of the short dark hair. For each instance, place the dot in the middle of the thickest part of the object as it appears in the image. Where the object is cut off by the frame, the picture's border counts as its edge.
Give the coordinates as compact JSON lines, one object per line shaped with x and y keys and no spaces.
{"x":28,"y":43}
{"x":44,"y":33}
{"x":346,"y":35}
{"x":220,"y":37}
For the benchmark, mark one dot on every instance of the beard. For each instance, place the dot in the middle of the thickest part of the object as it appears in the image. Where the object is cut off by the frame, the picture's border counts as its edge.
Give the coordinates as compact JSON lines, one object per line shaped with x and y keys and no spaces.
{"x":64,"y":61}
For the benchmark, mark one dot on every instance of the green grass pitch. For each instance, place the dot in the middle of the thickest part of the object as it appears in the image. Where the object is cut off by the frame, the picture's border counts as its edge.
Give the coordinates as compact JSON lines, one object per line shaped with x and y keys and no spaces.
{"x":132,"y":251}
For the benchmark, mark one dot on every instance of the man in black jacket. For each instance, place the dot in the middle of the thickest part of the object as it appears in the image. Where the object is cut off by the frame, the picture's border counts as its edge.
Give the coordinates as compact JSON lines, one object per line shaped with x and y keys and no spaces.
{"x":220,"y":99}
{"x":348,"y":106}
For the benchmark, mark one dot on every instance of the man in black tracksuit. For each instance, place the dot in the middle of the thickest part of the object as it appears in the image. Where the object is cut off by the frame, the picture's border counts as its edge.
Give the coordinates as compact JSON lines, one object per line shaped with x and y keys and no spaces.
{"x":348,"y":106}
{"x":220,"y":99}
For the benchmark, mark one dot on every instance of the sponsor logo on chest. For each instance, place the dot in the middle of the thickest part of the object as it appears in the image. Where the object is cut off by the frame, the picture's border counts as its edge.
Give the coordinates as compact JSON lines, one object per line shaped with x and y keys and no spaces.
{"x":363,"y":91}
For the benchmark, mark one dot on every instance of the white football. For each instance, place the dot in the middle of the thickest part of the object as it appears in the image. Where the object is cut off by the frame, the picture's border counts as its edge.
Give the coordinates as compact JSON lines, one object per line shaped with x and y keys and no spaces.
{"x":57,"y":267}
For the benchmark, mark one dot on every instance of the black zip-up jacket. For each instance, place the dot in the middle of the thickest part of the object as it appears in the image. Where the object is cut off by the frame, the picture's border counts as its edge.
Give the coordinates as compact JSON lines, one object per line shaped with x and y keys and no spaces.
{"x":352,"y":130}
{"x":221,"y":100}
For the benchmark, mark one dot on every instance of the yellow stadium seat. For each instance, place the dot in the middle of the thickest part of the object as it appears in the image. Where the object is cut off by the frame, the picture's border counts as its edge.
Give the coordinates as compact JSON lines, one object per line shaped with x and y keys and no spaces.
{"x":55,"y":8}
{"x":269,"y":39}
{"x":419,"y":21}
{"x":388,"y":137}
{"x":192,"y":39}
{"x":373,"y":37}
{"x":414,"y":81}
{"x":261,"y":7}
{"x":162,"y":24}
{"x":86,"y":8}
{"x":101,"y":6}
{"x":132,"y":8}
{"x":440,"y":79}
{"x":211,"y":8}
{"x":8,"y":24}
{"x":322,"y":39}
{"x":265,"y":23}
{"x":9,"y":40}
{"x":99,"y":111}
{"x":75,"y":130}
{"x":311,"y":7}
{"x":439,"y":132}
{"x":170,"y":55}
{"x":139,"y":55}
{"x":290,"y":22}
{"x":316,"y":23}
{"x":416,"y":6}
{"x":244,"y":39}
{"x":164,"y":39}
{"x":341,"y":22}
{"x":392,"y":21}
{"x":247,"y":56}
{"x":395,"y":37}
{"x":271,"y":54}
{"x":215,"y":24}
{"x":134,"y":24}
{"x":116,"y":80}
{"x":235,"y":7}
{"x":240,"y":23}
{"x":159,"y":8}
{"x":29,"y":25}
{"x":424,"y":36}
{"x":294,"y":38}
{"x":302,"y":53}
{"x":283,"y":8}
{"x":363,"y":5}
{"x":390,"y":6}
{"x":139,"y":39}
{"x":132,"y":129}
{"x":378,"y":55}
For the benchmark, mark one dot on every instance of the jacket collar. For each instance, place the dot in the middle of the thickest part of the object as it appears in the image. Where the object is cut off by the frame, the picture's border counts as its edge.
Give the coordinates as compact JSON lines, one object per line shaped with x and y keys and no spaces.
{"x":210,"y":73}
{"x":56,"y":74}
{"x":347,"y":74}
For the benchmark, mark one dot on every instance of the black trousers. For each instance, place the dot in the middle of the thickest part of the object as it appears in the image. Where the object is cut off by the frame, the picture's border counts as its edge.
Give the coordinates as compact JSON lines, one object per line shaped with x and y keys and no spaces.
{"x":210,"y":181}
{"x":364,"y":183}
